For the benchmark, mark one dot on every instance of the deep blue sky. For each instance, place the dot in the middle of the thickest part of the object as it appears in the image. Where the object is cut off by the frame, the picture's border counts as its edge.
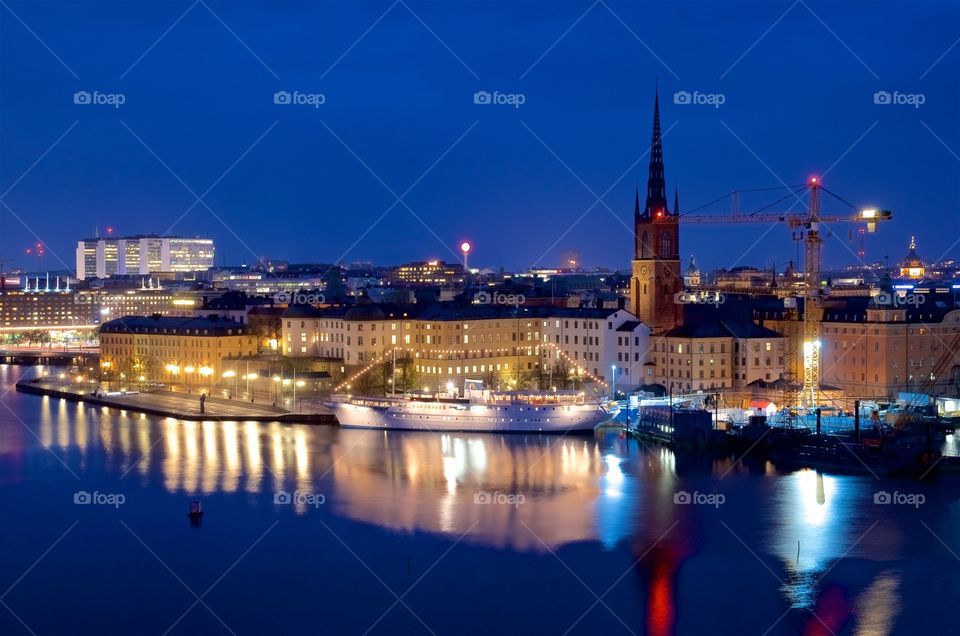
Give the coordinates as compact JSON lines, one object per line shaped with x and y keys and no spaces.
{"x":399,"y":99}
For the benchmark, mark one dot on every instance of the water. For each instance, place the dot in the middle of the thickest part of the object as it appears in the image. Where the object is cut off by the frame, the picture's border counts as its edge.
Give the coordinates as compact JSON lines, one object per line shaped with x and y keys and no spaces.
{"x":582,"y":535}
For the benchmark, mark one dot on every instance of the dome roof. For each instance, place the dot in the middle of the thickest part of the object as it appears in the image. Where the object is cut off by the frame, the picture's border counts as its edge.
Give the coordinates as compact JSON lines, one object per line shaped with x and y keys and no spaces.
{"x":912,"y":259}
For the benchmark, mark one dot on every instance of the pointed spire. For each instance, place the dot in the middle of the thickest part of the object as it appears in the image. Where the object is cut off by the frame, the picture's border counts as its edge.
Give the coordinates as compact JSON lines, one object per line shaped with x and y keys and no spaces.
{"x":636,"y":202}
{"x":656,"y":185}
{"x":676,"y":201}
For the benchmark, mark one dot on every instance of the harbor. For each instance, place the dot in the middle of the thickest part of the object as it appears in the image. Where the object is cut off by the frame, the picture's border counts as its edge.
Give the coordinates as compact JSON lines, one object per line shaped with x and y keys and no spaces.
{"x":400,"y":500}
{"x":911,"y":437}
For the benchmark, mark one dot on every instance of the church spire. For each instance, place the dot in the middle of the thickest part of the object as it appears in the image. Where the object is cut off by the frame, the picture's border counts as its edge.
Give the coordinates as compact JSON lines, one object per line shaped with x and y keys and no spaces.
{"x":676,"y":201}
{"x":656,"y":185}
{"x":636,"y":202}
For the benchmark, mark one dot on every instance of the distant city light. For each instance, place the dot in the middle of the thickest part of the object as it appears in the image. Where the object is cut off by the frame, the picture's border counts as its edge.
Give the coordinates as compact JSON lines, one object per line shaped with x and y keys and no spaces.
{"x":465,"y":247}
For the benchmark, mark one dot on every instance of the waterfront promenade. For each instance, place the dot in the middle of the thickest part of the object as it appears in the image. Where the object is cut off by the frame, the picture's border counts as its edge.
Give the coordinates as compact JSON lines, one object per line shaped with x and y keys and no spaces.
{"x":177,"y":404}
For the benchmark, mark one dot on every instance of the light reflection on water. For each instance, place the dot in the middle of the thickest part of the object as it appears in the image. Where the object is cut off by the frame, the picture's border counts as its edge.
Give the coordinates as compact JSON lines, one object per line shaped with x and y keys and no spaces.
{"x":604,"y":491}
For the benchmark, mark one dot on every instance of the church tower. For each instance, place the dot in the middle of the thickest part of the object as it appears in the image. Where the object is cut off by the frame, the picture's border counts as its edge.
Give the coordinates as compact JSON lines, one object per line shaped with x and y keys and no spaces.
{"x":657,"y":281}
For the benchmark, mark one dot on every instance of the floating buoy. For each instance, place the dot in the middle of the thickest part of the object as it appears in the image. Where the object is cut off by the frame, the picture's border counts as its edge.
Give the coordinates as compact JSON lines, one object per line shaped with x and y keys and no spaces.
{"x":195,"y":513}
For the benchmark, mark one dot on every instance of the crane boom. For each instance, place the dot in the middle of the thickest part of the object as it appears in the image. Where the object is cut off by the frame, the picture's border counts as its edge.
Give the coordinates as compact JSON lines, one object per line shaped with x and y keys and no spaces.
{"x":809,"y":224}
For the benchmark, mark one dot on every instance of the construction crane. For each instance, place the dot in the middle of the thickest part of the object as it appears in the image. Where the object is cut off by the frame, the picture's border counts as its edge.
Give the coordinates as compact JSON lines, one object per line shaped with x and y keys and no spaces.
{"x":806,"y":227}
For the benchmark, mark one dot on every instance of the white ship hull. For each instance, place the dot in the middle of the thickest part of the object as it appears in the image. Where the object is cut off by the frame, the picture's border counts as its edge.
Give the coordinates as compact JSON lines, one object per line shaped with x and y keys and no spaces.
{"x":467,"y":417}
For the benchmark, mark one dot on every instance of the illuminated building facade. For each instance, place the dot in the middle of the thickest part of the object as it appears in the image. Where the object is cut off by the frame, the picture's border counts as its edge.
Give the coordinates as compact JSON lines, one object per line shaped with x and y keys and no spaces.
{"x":426,"y":273}
{"x":877,"y":347}
{"x":23,"y":310}
{"x":504,"y":346}
{"x":716,"y":355}
{"x":142,"y":255}
{"x":174,"y":349}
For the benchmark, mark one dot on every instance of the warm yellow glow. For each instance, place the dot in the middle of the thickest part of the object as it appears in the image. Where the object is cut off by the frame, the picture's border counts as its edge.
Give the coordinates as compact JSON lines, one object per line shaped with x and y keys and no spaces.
{"x":206,"y":371}
{"x":229,"y":374}
{"x":188,"y":370}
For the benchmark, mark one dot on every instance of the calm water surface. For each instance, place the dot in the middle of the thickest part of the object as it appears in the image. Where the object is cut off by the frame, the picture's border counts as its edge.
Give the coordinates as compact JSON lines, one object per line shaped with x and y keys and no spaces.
{"x":420,"y":533}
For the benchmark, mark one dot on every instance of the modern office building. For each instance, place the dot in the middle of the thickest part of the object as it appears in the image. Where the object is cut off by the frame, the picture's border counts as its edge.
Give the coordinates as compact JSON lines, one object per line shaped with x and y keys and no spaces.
{"x":142,"y":255}
{"x":433,"y":272}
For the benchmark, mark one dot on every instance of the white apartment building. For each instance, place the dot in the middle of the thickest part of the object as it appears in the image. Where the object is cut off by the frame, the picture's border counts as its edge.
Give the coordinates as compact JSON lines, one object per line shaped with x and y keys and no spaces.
{"x":451,"y":343}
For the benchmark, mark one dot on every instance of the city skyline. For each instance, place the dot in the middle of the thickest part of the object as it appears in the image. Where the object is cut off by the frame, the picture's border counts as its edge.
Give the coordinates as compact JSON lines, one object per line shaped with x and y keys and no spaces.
{"x":311,"y":182}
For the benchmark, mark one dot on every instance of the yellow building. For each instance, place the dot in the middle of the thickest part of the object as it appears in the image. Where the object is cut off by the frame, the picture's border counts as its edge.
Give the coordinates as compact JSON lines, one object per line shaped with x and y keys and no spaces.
{"x":715,"y":355}
{"x":497,"y":344}
{"x":171,"y":349}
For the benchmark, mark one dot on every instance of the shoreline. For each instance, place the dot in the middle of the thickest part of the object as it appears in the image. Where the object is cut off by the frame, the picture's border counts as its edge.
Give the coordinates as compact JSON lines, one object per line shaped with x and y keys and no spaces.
{"x":238,"y":411}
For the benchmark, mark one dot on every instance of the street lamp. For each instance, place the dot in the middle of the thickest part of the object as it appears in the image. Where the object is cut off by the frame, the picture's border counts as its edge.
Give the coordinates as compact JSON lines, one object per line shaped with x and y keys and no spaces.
{"x":613,"y":382}
{"x":465,"y":248}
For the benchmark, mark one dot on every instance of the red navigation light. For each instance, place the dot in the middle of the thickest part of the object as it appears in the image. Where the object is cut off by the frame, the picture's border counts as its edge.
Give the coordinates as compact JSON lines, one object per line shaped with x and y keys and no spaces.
{"x":813,"y":180}
{"x":659,"y":213}
{"x":109,"y":229}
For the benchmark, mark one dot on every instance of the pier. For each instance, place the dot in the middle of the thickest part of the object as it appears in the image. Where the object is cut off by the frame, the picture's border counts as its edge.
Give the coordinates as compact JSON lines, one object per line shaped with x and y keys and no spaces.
{"x":179,"y":405}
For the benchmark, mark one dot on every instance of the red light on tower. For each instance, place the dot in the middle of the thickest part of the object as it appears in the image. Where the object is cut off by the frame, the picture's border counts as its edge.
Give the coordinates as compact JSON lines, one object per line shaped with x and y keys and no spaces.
{"x":109,"y":229}
{"x":814,"y":181}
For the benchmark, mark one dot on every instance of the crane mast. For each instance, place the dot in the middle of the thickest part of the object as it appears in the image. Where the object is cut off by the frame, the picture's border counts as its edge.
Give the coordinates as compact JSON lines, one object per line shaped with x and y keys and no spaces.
{"x":813,"y":305}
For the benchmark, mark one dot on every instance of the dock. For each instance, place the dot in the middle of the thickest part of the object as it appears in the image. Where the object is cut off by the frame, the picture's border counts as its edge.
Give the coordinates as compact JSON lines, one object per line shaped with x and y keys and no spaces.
{"x":179,"y":405}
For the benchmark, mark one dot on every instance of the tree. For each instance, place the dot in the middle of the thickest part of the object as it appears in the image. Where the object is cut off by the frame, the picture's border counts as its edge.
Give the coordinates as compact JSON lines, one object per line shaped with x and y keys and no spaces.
{"x":408,"y":378}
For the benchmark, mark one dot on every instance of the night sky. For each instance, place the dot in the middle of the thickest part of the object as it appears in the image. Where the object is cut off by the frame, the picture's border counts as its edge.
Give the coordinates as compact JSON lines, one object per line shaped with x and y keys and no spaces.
{"x":320,"y":184}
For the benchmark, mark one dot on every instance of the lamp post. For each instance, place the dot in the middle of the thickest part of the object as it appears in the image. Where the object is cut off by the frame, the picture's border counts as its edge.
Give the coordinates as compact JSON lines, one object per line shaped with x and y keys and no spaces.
{"x":465,"y":248}
{"x":613,"y":382}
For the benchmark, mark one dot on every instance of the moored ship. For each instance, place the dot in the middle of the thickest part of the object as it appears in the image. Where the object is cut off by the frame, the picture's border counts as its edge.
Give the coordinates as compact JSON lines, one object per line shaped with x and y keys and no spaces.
{"x":478,"y":411}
